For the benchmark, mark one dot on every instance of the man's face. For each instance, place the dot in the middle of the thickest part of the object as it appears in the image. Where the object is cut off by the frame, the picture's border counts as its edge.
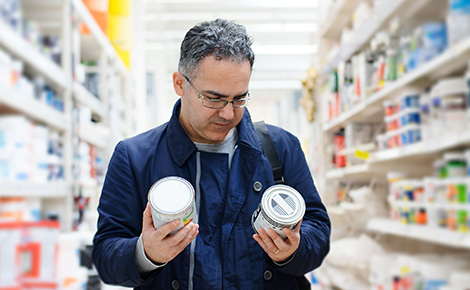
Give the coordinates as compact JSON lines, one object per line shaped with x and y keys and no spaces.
{"x":215,"y":79}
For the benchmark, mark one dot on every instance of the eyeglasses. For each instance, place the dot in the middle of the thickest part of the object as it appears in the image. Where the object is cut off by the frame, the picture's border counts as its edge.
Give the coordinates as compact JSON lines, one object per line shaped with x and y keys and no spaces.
{"x":217,"y":103}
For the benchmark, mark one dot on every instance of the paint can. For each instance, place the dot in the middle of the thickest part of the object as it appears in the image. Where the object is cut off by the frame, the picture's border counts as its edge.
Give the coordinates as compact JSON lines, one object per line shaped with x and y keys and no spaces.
{"x":281,"y":207}
{"x":172,"y":198}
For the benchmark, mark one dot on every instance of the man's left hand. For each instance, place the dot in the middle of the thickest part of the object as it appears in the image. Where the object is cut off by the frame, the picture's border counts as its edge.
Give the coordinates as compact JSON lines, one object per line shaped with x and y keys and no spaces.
{"x":279,"y":250}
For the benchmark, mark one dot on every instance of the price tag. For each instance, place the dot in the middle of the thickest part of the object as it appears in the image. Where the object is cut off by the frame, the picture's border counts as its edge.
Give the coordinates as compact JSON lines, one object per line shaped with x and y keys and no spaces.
{"x":361,"y":154}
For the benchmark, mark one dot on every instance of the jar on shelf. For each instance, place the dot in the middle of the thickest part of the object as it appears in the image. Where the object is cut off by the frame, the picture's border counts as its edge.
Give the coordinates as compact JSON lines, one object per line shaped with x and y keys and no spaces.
{"x":455,"y":164}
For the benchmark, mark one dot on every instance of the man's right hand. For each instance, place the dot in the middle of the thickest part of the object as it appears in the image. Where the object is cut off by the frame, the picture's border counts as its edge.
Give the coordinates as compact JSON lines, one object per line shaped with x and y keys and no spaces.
{"x":158,"y":246}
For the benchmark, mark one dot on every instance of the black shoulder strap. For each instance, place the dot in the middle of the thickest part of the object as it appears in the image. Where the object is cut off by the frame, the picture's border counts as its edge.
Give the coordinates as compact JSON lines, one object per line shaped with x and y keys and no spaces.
{"x":269,"y":150}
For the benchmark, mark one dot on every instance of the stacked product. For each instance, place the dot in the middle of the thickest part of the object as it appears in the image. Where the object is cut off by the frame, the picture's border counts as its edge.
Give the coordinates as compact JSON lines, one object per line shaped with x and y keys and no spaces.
{"x":15,"y":82}
{"x":29,"y":152}
{"x":403,"y":121}
{"x":29,"y":252}
{"x":411,"y":272}
{"x":11,"y":14}
{"x":441,"y":201}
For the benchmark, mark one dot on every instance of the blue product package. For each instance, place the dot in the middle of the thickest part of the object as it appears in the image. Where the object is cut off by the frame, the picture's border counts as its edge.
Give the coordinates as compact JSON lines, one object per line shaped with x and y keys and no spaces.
{"x":410,"y":101}
{"x":413,"y":118}
{"x":462,"y":6}
{"x":435,"y":36}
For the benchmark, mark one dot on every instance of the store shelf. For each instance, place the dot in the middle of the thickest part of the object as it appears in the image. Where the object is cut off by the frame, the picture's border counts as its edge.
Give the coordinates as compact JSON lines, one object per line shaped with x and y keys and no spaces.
{"x":23,"y":50}
{"x":88,"y":99}
{"x":34,"y":109}
{"x":34,"y":189}
{"x":93,"y":44}
{"x":95,"y":135}
{"x":431,"y":147}
{"x":423,"y":233}
{"x":443,"y":65}
{"x":357,"y":172}
{"x":428,"y":205}
{"x":339,"y":17}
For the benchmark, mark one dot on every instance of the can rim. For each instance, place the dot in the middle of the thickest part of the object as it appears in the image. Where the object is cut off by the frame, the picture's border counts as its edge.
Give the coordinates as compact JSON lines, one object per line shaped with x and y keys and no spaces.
{"x":177,"y":178}
{"x":286,"y":220}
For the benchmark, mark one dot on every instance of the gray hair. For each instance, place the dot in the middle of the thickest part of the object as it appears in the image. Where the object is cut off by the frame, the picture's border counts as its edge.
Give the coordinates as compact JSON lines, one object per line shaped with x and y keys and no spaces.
{"x":220,"y":38}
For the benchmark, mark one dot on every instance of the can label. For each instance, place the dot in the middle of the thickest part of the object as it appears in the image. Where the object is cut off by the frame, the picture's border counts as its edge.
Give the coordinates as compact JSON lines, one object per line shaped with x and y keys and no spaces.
{"x":281,"y":207}
{"x":172,"y":198}
{"x":261,"y":220}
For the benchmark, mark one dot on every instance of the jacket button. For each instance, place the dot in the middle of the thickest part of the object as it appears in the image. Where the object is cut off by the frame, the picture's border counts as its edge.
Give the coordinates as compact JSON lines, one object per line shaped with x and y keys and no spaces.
{"x":175,"y":284}
{"x":257,"y":186}
{"x":267,"y":275}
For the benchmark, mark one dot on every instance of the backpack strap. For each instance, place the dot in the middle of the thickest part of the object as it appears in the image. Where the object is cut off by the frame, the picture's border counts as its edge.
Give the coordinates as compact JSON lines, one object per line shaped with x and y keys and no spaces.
{"x":268,"y":147}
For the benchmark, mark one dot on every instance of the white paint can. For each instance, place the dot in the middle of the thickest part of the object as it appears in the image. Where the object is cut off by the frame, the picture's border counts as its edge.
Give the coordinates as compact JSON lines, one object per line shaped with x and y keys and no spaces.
{"x":281,"y":207}
{"x":172,"y":198}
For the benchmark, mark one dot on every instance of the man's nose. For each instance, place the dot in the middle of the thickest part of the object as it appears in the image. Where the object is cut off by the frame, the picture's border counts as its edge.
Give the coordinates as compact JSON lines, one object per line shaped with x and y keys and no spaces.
{"x":227,"y":112}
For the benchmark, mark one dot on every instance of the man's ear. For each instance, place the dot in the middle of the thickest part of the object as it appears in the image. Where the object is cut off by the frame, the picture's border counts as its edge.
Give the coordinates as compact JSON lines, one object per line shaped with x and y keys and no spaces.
{"x":178,"y":83}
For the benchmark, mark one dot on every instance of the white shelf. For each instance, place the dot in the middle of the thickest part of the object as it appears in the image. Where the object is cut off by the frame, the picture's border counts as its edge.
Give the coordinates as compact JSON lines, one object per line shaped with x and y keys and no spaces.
{"x":445,"y":64}
{"x":34,"y":189}
{"x":23,"y":50}
{"x":361,"y":171}
{"x":423,"y":148}
{"x":423,"y":233}
{"x":339,"y":17}
{"x":88,"y":99}
{"x":95,"y":134}
{"x":428,"y":205}
{"x":35,"y":110}
{"x":97,"y":41}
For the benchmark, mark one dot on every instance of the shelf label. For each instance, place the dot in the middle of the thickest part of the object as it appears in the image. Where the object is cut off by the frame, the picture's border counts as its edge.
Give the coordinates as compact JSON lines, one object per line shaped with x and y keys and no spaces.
{"x":364,"y":155}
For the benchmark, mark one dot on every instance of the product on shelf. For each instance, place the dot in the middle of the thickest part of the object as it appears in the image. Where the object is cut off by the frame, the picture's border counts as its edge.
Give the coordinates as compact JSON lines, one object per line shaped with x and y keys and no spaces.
{"x":458,"y":20}
{"x":29,"y":252}
{"x":339,"y":159}
{"x":467,"y":79}
{"x":403,"y":120}
{"x":450,"y":96}
{"x":12,"y":15}
{"x":29,"y":152}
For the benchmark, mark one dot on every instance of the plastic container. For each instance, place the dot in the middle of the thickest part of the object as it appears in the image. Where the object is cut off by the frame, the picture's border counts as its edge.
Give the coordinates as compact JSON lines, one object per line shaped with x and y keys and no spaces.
{"x":410,"y":116}
{"x":381,"y":141}
{"x":448,"y":101}
{"x":467,"y":158}
{"x":455,"y":164}
{"x":425,"y":115}
{"x":410,"y":134}
{"x":458,"y":20}
{"x":436,"y":120}
{"x":453,"y":92}
{"x":393,"y":122}
{"x":410,"y":99}
{"x":467,"y":80}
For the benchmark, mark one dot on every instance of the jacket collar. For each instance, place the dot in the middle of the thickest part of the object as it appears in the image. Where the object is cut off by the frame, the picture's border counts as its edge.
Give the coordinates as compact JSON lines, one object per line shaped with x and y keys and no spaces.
{"x":181,"y":147}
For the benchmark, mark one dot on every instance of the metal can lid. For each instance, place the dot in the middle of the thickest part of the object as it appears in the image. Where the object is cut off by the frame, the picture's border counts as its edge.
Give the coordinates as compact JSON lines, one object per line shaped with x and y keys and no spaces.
{"x":171,"y":195}
{"x":283,"y":204}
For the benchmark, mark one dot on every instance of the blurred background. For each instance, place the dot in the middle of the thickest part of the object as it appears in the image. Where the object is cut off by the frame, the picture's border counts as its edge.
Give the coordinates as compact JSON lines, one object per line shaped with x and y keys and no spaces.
{"x":376,"y":91}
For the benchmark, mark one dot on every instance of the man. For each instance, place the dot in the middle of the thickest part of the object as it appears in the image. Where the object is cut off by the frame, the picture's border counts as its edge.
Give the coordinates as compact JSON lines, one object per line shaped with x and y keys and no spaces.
{"x":211,"y":142}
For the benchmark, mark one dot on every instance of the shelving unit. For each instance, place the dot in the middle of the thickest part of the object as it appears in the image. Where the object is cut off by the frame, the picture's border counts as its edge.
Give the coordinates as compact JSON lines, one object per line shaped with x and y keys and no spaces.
{"x":34,"y":110}
{"x":426,"y":234}
{"x":58,"y":189}
{"x":415,"y":160}
{"x":23,"y":50}
{"x":443,"y":65}
{"x":61,"y":19}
